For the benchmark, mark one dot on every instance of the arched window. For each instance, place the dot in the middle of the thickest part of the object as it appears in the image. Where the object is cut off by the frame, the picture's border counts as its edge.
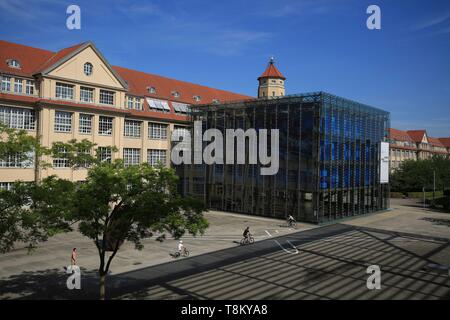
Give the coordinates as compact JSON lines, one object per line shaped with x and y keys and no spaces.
{"x":88,"y":68}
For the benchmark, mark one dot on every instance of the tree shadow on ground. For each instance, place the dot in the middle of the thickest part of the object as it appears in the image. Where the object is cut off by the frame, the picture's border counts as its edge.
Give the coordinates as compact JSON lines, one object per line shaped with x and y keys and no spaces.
{"x":48,"y":284}
{"x":438,"y":222}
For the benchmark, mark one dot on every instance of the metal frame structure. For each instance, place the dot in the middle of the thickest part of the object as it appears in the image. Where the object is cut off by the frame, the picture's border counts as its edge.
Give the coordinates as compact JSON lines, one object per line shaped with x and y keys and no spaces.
{"x":328,"y":161}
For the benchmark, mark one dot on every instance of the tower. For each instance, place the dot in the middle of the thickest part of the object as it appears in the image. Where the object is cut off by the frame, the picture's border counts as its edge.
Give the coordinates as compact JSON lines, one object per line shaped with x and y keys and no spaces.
{"x":271,"y":82}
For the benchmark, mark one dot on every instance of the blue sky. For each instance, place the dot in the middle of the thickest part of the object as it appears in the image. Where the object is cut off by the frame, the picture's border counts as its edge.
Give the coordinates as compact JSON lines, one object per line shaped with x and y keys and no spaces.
{"x":318,"y":45}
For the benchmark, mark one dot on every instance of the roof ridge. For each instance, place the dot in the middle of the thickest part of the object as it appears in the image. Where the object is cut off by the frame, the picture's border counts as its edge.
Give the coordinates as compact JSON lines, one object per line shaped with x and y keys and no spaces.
{"x":46,"y":63}
{"x":24,"y":45}
{"x":182,"y":81}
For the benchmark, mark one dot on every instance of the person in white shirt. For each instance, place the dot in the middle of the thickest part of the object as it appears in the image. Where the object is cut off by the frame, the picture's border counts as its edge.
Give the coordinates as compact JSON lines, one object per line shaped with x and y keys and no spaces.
{"x":180,"y":246}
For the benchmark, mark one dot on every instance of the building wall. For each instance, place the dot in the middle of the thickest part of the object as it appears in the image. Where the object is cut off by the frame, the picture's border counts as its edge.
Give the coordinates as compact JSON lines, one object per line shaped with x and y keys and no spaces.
{"x":71,"y":72}
{"x":271,"y":88}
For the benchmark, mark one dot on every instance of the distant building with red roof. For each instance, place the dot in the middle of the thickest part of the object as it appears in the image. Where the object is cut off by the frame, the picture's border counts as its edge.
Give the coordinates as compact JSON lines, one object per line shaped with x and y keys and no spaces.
{"x":414,"y":145}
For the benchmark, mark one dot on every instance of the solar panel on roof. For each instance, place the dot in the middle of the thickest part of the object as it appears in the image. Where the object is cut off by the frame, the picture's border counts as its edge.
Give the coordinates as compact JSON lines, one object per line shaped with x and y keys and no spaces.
{"x":180,"y":107}
{"x":158,"y":104}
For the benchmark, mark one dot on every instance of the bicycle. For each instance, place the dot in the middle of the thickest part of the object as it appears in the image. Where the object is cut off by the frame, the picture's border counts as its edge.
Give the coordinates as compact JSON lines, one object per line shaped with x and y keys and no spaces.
{"x":247,"y":240}
{"x":292,"y":224}
{"x":184,"y":253}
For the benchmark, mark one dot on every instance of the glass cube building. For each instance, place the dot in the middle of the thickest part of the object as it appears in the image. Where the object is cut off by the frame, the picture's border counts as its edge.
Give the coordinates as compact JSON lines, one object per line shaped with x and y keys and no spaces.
{"x":329,"y":159}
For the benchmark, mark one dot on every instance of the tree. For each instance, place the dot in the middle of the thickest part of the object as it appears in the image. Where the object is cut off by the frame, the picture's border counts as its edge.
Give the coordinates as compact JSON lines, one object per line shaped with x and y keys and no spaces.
{"x":32,"y":212}
{"x":16,"y":223}
{"x":118,"y":203}
{"x":413,"y":175}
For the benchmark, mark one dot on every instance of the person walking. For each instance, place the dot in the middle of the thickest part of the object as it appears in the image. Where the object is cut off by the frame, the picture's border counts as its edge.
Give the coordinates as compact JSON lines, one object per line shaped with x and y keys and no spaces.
{"x":73,"y":257}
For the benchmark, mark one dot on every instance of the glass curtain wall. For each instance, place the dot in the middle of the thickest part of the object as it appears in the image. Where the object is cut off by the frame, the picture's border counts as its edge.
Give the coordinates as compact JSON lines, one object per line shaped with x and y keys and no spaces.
{"x":328,"y":159}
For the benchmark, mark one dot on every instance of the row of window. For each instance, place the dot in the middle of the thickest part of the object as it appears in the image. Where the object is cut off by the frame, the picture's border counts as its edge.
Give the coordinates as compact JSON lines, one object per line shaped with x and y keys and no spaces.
{"x":403,"y":153}
{"x":18,"y":118}
{"x":21,"y":118}
{"x":20,"y":86}
{"x":14,"y":161}
{"x":66,"y":91}
{"x":131,"y":156}
{"x":132,"y":128}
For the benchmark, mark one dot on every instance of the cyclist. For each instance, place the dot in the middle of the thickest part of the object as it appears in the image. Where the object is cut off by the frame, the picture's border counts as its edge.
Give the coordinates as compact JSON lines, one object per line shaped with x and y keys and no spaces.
{"x":290,"y":220}
{"x":246,"y":233}
{"x":181,"y":247}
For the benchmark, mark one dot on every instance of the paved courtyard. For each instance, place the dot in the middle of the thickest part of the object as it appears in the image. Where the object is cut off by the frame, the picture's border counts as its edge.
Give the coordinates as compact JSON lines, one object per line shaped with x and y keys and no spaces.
{"x":410,"y":244}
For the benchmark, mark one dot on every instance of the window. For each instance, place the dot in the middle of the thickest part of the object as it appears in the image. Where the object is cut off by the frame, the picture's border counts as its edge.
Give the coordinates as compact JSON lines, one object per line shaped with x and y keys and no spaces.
{"x":151,"y":89}
{"x":6,"y":186}
{"x":85,"y":124}
{"x":155,"y":157}
{"x":18,"y":85}
{"x":63,"y":121}
{"x":14,"y":161}
{"x":88,"y":68}
{"x":13,"y":63}
{"x":185,"y":132}
{"x":157,"y":131}
{"x":132,"y":128}
{"x":137,"y":104}
{"x":131,"y":156}
{"x":197,"y":98}
{"x":176,"y":94}
{"x":6,"y":83}
{"x":130,"y":101}
{"x":86,"y":94}
{"x":105,"y":125}
{"x":18,"y":118}
{"x":133,"y":103}
{"x":64,"y":91}
{"x":104,"y":154}
{"x":215,"y":101}
{"x":158,"y":105}
{"x":62,"y":161}
{"x":29,"y":87}
{"x":181,"y":108}
{"x":107,"y":97}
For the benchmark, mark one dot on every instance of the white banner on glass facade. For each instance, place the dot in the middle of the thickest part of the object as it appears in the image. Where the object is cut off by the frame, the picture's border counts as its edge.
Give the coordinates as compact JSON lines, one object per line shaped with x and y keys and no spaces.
{"x":384,"y":162}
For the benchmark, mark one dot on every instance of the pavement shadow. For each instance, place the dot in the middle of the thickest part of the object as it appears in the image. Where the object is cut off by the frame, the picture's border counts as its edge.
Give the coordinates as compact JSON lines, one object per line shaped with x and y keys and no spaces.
{"x":438,"y":222}
{"x":48,"y":284}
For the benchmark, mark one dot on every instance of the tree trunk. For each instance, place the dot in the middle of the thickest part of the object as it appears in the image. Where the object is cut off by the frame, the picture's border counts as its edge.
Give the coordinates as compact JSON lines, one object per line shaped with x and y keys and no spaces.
{"x":102,"y":286}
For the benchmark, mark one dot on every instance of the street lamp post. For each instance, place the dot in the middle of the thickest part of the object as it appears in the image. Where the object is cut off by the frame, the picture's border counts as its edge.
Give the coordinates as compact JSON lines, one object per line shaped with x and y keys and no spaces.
{"x":434,"y":184}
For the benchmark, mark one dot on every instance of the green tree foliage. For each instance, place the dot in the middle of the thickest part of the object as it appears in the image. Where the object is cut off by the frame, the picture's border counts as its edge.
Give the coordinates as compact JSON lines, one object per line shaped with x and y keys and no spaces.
{"x":118,"y":203}
{"x":32,"y":212}
{"x":20,"y":144}
{"x":414,"y":175}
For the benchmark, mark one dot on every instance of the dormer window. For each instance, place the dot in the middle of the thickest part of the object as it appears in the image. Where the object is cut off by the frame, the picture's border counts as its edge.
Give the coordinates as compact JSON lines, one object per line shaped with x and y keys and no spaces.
{"x":88,"y":68}
{"x":151,"y":89}
{"x":197,"y":98}
{"x":216,"y":101}
{"x":13,"y":63}
{"x":176,"y":94}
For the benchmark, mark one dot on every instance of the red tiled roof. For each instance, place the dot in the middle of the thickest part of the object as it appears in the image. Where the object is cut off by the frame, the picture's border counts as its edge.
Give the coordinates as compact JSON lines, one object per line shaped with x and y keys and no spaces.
{"x":416,"y":135}
{"x":435,"y":142}
{"x":35,"y":60}
{"x":139,"y":82}
{"x":399,"y":135}
{"x":30,"y":58}
{"x":272,"y":72}
{"x":445,"y":142}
